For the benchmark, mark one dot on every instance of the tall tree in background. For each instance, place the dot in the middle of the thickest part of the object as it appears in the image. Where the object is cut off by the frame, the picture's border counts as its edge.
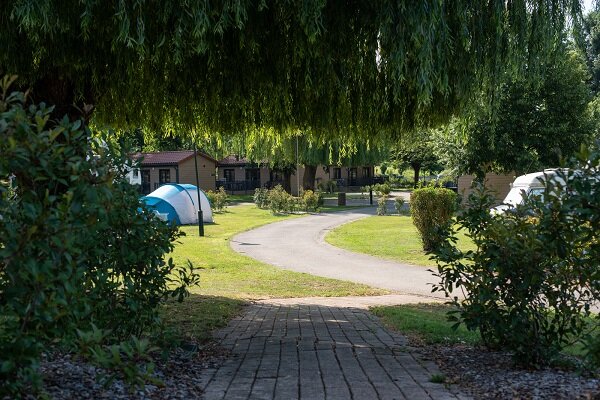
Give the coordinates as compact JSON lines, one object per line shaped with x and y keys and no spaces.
{"x":341,"y":68}
{"x":533,"y":125}
{"x":419,"y":155}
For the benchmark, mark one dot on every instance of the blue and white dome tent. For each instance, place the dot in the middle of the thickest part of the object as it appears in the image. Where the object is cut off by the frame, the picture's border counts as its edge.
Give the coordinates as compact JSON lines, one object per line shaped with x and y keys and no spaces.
{"x":179,"y":203}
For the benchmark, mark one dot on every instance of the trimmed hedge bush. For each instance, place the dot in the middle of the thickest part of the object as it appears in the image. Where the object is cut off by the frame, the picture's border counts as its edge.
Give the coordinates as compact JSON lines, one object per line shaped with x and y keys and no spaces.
{"x":432,"y":210}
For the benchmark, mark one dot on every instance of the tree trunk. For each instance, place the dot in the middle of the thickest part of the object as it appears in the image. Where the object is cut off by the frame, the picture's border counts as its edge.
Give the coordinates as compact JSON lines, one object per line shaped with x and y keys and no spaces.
{"x":308,"y":179}
{"x":417,"y":169}
{"x":287,"y":181}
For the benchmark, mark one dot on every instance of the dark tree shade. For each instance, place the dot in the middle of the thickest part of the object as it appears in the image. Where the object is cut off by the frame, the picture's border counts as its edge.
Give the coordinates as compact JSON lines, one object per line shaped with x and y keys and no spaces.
{"x":336,"y":67}
{"x":534,"y":125}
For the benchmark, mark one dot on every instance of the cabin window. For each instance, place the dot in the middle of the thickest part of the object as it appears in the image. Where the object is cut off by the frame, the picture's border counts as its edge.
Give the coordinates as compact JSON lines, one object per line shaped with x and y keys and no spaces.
{"x":366,"y":172}
{"x":337,"y":173}
{"x":164,"y":176}
{"x":253,"y":174}
{"x":229,"y":175}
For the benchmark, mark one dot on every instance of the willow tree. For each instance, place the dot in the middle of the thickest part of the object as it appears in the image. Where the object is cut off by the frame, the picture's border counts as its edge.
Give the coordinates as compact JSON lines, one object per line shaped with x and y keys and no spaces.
{"x":339,"y":68}
{"x":312,"y":153}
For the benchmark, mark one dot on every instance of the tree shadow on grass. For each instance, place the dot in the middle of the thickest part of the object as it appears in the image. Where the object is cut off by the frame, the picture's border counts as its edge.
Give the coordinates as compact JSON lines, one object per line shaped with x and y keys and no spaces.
{"x":198,"y":316}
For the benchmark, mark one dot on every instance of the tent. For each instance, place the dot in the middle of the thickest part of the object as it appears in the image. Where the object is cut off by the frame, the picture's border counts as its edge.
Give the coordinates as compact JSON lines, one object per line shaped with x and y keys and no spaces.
{"x":178,"y":202}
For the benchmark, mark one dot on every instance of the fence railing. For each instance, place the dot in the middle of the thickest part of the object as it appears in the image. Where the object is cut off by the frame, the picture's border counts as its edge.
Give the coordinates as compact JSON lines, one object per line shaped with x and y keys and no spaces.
{"x":238,"y":186}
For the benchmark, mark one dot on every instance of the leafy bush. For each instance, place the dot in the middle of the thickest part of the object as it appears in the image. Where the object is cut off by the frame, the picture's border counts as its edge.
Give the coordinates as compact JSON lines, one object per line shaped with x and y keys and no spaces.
{"x":432,"y":211}
{"x":261,"y":197}
{"x":327,"y":186}
{"x":279,"y":200}
{"x":399,"y":204}
{"x":382,"y":205}
{"x":219,"y":200}
{"x":311,"y":201}
{"x":530,"y":282}
{"x":382,"y":189}
{"x":76,"y":246}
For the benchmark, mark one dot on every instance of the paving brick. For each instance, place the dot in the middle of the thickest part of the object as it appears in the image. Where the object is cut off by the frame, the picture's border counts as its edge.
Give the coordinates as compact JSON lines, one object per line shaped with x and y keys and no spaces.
{"x":317,"y":352}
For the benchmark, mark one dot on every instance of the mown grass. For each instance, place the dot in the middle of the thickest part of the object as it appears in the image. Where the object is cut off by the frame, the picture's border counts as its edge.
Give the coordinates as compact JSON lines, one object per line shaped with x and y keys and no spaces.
{"x":229,"y":279}
{"x":198,"y":316}
{"x":425,"y":322}
{"x":228,"y":274}
{"x":241,"y":198}
{"x":392,"y":237}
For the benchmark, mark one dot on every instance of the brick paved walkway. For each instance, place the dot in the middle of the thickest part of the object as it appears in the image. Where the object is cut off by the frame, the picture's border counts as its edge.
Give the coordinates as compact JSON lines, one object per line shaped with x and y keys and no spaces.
{"x":285,"y":351}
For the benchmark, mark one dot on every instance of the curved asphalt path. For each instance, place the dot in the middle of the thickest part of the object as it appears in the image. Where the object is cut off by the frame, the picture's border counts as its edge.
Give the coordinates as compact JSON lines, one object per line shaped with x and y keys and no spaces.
{"x":298,"y":244}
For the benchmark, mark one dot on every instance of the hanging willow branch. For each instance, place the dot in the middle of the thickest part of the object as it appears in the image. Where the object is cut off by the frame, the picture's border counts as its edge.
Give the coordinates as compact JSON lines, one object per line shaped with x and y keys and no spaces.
{"x":334,"y":68}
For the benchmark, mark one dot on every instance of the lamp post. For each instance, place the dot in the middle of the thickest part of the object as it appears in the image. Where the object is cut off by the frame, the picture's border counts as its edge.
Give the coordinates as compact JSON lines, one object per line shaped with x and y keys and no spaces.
{"x":200,"y":217}
{"x":297,"y":170}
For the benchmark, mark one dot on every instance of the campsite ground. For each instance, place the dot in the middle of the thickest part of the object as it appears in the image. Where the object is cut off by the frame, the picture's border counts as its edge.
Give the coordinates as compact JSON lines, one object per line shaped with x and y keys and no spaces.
{"x":227,"y":273}
{"x":392,"y":237}
{"x":231,"y":280}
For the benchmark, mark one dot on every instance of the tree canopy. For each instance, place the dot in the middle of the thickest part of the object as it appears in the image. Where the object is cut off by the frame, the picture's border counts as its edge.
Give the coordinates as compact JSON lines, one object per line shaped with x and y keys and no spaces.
{"x":325,"y":68}
{"x":533,"y":125}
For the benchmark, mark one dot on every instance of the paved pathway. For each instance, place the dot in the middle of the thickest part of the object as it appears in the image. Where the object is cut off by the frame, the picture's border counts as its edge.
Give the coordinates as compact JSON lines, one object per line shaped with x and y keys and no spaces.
{"x":322,"y":348}
{"x":286,"y":351}
{"x":298,"y":244}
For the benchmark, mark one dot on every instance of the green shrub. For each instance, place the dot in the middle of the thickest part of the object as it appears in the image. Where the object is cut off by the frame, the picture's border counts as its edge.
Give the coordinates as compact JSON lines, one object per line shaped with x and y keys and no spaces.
{"x":431,"y":211}
{"x":261,"y":197}
{"x":279,"y":200}
{"x":219,"y":200}
{"x":382,"y":189}
{"x":399,"y":204}
{"x":382,"y":205}
{"x":327,"y":186}
{"x":311,"y":201}
{"x":76,"y":245}
{"x":530,"y":282}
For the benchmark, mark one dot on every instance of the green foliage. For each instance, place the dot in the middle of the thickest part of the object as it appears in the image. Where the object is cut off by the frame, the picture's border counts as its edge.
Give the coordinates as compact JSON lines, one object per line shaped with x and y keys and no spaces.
{"x":261,"y":197}
{"x":532,"y":126}
{"x":432,"y":210}
{"x":382,"y":205}
{"x":279,"y":200}
{"x":418,"y":153}
{"x":399,"y":205}
{"x":591,"y":47}
{"x":339,"y":68}
{"x":311,"y":201}
{"x":529,"y":283}
{"x":329,"y":186}
{"x":219,"y":200}
{"x":382,"y":189}
{"x":129,"y":360}
{"x":76,"y":246}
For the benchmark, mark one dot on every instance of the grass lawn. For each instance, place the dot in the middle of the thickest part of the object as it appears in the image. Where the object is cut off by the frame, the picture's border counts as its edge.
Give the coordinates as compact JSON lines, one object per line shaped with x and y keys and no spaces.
{"x":393,"y":237}
{"x":228,"y":279}
{"x":228,"y":274}
{"x":241,"y":198}
{"x":426,"y":323}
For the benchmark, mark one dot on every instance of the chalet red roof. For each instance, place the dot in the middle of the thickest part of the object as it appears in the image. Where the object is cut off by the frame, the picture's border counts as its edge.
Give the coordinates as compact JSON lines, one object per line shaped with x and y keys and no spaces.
{"x":168,"y":157}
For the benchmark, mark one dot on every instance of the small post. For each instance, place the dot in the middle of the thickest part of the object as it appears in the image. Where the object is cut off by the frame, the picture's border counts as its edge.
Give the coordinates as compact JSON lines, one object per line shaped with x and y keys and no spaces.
{"x":200,"y":216}
{"x":371,"y":196}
